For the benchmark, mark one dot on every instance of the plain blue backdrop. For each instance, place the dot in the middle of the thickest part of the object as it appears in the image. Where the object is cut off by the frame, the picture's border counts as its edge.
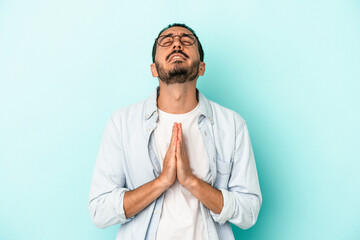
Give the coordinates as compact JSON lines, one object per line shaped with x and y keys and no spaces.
{"x":290,"y":68}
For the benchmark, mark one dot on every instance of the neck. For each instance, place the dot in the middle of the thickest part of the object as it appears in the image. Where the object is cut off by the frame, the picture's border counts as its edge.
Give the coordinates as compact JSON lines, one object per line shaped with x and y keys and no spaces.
{"x":177,"y":98}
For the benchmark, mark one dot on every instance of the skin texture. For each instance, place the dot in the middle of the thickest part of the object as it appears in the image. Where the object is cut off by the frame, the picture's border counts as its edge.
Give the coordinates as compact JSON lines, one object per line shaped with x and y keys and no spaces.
{"x":175,"y":97}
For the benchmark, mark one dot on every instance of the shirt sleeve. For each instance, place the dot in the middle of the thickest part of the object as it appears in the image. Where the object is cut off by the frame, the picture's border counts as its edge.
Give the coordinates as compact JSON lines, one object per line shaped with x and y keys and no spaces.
{"x":108,"y":183}
{"x":242,"y":198}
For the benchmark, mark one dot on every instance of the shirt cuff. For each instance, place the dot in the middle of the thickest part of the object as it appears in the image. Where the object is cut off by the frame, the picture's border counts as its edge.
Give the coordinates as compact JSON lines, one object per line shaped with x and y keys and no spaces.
{"x":119,"y":205}
{"x":228,"y":209}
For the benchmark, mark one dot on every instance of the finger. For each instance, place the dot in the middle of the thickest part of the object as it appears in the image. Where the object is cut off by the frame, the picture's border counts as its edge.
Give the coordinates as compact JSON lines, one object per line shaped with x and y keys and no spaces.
{"x":173,"y":146}
{"x":180,"y":132}
{"x":180,"y":136}
{"x":178,"y":148}
{"x":174,"y":129}
{"x":174,"y":132}
{"x":174,"y":143}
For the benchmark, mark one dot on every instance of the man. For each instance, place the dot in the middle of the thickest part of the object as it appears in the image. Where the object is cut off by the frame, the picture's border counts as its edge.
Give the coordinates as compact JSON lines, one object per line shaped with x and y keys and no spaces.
{"x":176,"y":165}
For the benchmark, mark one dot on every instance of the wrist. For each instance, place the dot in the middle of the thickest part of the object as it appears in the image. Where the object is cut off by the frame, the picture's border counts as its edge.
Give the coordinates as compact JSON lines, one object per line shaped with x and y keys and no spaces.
{"x":162,"y":183}
{"x":191,"y":183}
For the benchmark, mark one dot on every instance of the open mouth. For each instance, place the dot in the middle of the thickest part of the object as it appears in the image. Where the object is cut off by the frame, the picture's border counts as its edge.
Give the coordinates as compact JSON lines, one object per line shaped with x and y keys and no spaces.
{"x":177,"y":56}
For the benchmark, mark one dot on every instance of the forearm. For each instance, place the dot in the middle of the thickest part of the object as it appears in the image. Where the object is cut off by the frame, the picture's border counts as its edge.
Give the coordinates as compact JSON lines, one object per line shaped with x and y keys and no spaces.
{"x":209,"y":196}
{"x":138,"y":199}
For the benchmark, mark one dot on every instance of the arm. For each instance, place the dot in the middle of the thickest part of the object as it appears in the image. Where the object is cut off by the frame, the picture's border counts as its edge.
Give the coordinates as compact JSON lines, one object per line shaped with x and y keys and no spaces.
{"x":240,"y":202}
{"x":139,"y":198}
{"x":242,"y":198}
{"x":108,"y":182}
{"x":209,"y":196}
{"x":110,"y":201}
{"x":136,"y":200}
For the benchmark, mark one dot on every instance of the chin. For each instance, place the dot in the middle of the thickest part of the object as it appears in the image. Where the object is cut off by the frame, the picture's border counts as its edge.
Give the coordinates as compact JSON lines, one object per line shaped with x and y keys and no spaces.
{"x":178,"y":61}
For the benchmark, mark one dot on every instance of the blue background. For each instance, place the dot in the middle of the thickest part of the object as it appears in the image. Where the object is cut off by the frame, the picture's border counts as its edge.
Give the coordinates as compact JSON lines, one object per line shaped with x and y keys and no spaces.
{"x":290,"y":68}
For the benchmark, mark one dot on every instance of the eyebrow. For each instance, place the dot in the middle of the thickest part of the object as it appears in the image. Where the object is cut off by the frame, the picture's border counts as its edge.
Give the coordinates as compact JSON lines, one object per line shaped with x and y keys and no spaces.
{"x":171,"y":34}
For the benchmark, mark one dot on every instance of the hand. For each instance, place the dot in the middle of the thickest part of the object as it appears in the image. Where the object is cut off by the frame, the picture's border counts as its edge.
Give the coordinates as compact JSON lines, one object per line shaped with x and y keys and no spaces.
{"x":168,"y":173}
{"x":183,"y":171}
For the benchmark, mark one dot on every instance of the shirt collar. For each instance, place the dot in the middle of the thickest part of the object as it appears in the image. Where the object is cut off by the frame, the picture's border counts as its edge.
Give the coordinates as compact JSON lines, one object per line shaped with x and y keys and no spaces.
{"x":151,"y":105}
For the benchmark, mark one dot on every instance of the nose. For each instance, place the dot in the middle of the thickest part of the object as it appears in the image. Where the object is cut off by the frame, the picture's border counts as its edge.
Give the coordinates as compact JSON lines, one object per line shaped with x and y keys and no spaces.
{"x":177,"y":44}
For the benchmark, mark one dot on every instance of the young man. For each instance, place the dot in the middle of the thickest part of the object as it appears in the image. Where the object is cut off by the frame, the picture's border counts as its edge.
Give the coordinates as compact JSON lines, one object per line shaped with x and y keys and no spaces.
{"x":176,"y":165}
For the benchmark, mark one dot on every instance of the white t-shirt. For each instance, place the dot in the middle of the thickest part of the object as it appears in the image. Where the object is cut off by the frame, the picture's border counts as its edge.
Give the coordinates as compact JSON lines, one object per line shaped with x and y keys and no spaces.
{"x":181,"y":216}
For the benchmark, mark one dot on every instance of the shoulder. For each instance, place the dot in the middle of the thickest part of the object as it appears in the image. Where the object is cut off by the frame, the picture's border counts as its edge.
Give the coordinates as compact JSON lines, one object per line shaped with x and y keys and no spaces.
{"x":134,"y":108}
{"x":226,"y":116}
{"x":128,"y":114}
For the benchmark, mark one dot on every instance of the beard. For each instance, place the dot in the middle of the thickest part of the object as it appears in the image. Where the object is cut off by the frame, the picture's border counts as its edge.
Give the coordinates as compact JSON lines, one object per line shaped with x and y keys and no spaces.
{"x":179,"y":73}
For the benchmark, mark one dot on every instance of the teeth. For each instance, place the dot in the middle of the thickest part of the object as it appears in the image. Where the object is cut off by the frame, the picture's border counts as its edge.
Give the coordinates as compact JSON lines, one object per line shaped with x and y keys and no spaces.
{"x":177,"y":57}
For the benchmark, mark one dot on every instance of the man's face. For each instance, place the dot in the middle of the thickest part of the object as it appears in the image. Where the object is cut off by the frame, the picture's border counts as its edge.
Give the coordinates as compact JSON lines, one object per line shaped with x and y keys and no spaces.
{"x":177,"y":63}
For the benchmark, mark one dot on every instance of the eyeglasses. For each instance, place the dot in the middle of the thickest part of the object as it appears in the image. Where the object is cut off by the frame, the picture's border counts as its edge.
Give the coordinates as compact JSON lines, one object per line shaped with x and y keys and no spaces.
{"x":167,"y":40}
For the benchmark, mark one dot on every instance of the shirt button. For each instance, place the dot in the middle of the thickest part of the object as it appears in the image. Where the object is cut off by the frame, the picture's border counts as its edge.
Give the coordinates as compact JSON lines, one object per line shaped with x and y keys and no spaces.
{"x":156,"y":212}
{"x":147,"y":115}
{"x":147,"y":129}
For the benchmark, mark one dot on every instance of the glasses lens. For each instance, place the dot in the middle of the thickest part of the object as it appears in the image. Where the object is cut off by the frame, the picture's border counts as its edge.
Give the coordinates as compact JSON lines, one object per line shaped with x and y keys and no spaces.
{"x":188,"y":40}
{"x":165,"y":41}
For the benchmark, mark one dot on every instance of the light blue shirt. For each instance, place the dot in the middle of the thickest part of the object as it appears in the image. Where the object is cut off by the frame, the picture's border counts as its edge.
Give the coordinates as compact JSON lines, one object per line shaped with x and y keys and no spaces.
{"x":128,"y":159}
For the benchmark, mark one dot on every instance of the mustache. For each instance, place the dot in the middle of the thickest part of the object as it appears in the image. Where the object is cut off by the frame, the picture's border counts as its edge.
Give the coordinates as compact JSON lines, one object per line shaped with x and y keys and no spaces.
{"x":176,"y":51}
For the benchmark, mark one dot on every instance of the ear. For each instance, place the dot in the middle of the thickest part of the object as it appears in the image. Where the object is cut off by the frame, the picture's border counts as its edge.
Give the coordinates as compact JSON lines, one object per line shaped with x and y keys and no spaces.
{"x":154,"y":70}
{"x":202,"y":69}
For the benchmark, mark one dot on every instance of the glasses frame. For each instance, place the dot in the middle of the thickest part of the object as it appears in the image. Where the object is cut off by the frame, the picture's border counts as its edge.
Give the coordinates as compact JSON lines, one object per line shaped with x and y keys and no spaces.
{"x":173,"y":36}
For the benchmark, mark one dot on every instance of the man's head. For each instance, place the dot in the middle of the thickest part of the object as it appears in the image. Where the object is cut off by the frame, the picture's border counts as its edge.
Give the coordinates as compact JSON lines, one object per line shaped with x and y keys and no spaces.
{"x":177,"y":55}
{"x":201,"y":51}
